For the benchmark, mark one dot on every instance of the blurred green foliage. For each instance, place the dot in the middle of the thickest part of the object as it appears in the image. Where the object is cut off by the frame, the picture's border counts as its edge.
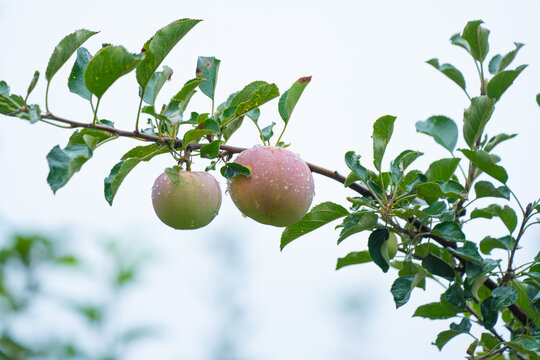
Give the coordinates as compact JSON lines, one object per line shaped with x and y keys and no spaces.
{"x":25,"y":261}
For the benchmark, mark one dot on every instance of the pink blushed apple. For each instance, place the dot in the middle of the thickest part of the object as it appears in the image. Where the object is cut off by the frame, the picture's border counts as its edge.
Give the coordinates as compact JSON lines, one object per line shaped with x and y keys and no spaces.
{"x":280,"y":189}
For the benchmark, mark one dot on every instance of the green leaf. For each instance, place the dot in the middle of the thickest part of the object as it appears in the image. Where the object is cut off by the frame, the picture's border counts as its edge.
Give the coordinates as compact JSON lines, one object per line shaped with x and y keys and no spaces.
{"x":288,"y":100}
{"x":33,"y":114}
{"x":526,"y":346}
{"x":489,"y":341}
{"x":128,"y":162}
{"x":195,"y":135}
{"x":499,"y":63}
{"x":468,"y":251}
{"x":489,"y":314}
{"x":502,"y":81}
{"x":448,"y":230}
{"x":508,"y":217}
{"x":488,"y":243}
{"x":231,"y":170}
{"x":157,"y":48}
{"x":116,"y":177}
{"x":486,"y":189}
{"x":155,"y":84}
{"x":178,"y":104}
{"x":494,"y":64}
{"x":442,"y":170}
{"x":353,"y":258}
{"x":109,"y":64}
{"x":4,"y":88}
{"x":443,"y":130}
{"x":251,"y":97}
{"x":244,"y":95}
{"x":382,"y":132}
{"x":506,"y":214}
{"x":401,"y":163}
{"x":503,"y":296}
{"x":408,"y":268}
{"x":435,"y":209}
{"x":188,"y":90}
{"x":319,"y":215}
{"x":376,"y":246}
{"x":367,"y":221}
{"x":487,"y":212}
{"x":76,"y":78}
{"x":494,"y":141}
{"x":9,"y":103}
{"x":455,"y":296}
{"x":475,"y":119}
{"x":485,"y":162}
{"x":150,"y":110}
{"x":254,"y":115}
{"x":438,"y":266}
{"x":431,"y":191}
{"x":207,"y":68}
{"x":211,"y":124}
{"x":457,"y":40}
{"x":455,"y":329}
{"x":444,"y":337}
{"x":477,"y":37}
{"x":33,"y":84}
{"x":353,"y":162}
{"x":229,"y":129}
{"x":63,"y":163}
{"x":401,"y":290}
{"x":173,"y":173}
{"x":211,"y":151}
{"x":267,"y":132}
{"x":65,"y":48}
{"x":451,"y":72}
{"x":434,"y":311}
{"x":538,"y":99}
{"x":90,"y":137}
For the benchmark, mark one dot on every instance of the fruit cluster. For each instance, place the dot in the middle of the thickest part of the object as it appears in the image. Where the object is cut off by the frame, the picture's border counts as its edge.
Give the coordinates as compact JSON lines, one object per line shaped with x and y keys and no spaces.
{"x":278,"y":191}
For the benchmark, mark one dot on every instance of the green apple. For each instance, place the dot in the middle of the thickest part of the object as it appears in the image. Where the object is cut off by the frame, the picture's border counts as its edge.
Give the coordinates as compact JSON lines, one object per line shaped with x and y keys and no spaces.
{"x":191,"y":201}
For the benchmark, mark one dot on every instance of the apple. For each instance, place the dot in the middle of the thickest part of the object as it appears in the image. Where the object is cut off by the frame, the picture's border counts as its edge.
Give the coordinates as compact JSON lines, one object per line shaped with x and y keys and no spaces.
{"x":190,"y":202}
{"x":279,"y":190}
{"x":392,"y":245}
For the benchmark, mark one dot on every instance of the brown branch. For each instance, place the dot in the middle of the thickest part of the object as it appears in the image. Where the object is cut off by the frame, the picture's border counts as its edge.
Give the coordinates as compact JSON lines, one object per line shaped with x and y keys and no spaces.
{"x":334,"y":175}
{"x":492,"y":353}
{"x":526,"y":214}
{"x":178,"y":144}
{"x":114,"y":131}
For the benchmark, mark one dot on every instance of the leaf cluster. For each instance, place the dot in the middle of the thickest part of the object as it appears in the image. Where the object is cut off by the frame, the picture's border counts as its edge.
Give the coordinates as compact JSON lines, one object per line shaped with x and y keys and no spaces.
{"x":170,"y":126}
{"x":427,"y":209}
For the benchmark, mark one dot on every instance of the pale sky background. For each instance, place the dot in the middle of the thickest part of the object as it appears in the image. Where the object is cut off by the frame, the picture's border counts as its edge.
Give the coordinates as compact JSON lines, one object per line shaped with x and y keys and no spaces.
{"x":367,"y":59}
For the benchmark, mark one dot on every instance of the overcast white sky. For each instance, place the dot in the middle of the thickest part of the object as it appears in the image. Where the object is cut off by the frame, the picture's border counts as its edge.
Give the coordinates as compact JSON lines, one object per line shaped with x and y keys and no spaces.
{"x":367,"y":59}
